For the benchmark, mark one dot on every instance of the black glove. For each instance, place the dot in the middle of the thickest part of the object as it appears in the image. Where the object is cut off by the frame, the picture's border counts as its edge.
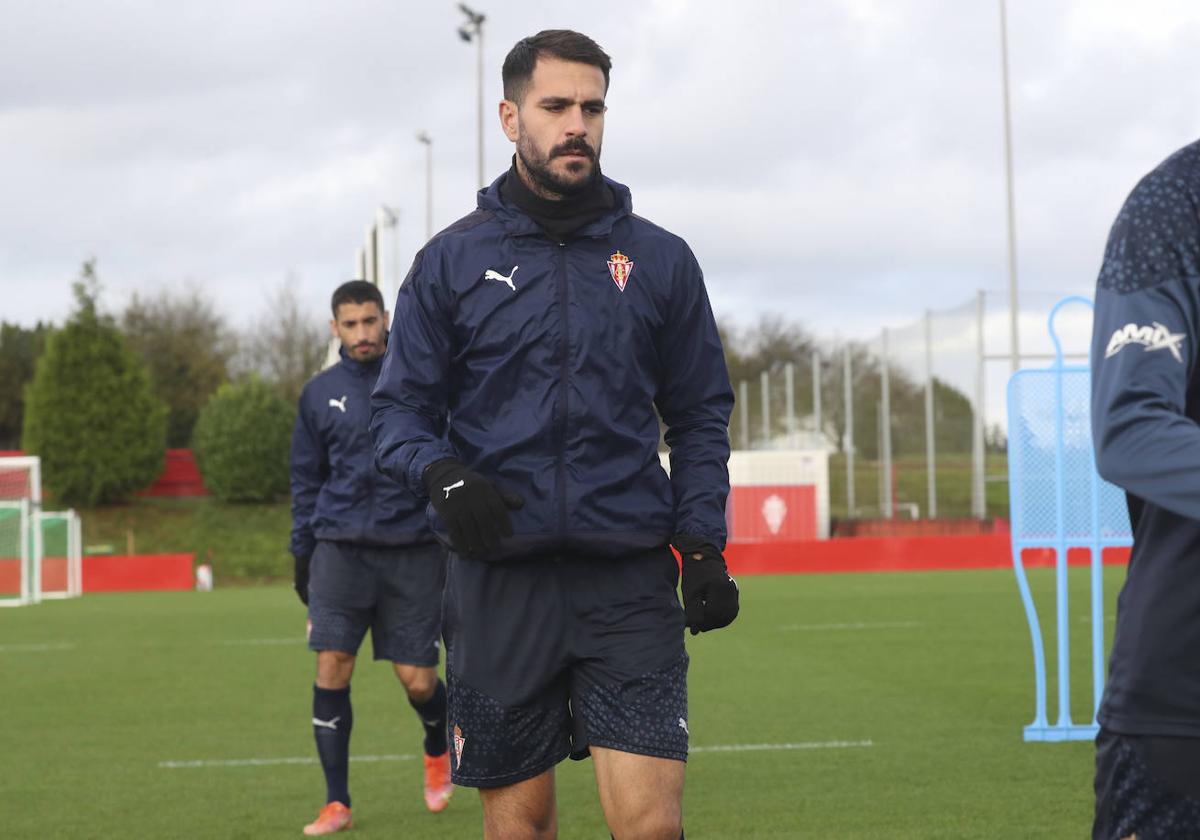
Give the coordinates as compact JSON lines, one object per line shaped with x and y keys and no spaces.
{"x":710,"y":595}
{"x":300,"y":577}
{"x":474,"y":510}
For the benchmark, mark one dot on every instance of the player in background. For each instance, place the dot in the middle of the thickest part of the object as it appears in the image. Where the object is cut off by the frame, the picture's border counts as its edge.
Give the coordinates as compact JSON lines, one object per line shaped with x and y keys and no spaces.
{"x":365,"y":558}
{"x":535,"y":338}
{"x":1146,"y":426}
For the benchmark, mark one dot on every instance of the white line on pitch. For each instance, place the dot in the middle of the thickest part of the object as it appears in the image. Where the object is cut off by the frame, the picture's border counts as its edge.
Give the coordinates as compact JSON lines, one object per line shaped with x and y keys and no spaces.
{"x":723,"y":748}
{"x":854,"y":625}
{"x":268,"y":762}
{"x":36,"y":647}
{"x":802,"y":745}
{"x":290,"y":640}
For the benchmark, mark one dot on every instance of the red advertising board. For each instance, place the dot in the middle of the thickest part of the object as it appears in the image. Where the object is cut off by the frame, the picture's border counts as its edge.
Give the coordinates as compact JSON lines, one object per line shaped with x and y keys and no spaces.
{"x":761,"y":513}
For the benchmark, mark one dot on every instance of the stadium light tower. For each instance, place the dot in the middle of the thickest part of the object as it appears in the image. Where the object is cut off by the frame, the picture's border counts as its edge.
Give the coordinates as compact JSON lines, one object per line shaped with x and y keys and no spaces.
{"x":470,"y":31}
{"x":423,"y":137}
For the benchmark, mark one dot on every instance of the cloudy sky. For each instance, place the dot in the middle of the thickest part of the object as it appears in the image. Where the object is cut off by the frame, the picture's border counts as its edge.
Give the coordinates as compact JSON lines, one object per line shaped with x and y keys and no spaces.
{"x":836,"y":162}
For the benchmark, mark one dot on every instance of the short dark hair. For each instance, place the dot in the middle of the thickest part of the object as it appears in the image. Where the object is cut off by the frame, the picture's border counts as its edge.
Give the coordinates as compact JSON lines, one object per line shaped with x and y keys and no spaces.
{"x":563,"y":44}
{"x":356,"y":291}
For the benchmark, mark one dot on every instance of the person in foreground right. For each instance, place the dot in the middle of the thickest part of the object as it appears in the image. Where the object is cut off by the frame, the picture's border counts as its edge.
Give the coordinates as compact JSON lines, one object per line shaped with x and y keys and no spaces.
{"x":1146,"y":427}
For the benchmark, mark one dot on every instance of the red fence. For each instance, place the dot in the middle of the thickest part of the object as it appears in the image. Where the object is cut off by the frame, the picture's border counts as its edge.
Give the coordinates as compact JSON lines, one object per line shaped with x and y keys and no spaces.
{"x":108,"y":573}
{"x":893,"y":554}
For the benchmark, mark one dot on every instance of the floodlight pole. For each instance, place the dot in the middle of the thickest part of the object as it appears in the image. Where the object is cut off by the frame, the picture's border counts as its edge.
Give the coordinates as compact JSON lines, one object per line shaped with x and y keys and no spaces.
{"x":423,"y":137}
{"x":1014,"y":332}
{"x":391,"y":220}
{"x":472,"y":30}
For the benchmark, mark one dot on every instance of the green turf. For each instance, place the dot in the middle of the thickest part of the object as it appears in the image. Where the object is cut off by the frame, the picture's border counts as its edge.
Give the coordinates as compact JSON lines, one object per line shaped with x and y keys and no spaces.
{"x":97,"y":692}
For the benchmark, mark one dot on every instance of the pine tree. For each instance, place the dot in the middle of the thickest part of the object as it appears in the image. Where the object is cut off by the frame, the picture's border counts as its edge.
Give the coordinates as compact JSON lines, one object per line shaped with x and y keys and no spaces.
{"x":90,"y":413}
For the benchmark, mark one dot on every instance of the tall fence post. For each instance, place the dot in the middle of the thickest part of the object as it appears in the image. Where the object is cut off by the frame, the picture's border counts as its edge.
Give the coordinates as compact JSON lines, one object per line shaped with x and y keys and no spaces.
{"x":978,"y":459}
{"x":816,"y":378}
{"x":744,"y":413}
{"x":789,"y":382}
{"x":848,"y":442}
{"x":765,"y":384}
{"x":885,"y":428}
{"x":930,"y":453}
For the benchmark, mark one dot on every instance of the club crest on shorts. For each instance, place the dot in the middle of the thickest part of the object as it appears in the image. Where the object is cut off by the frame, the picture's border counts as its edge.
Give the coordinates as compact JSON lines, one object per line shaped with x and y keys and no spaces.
{"x":459,"y":743}
{"x":620,"y":267}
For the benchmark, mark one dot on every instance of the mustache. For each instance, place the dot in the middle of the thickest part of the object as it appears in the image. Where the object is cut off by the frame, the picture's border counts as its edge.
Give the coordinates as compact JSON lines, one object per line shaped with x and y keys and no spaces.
{"x":577,"y":146}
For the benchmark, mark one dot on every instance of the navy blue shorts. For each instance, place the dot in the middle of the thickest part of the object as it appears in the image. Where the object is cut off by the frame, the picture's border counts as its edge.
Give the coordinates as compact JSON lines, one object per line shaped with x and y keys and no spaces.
{"x":1147,"y":786}
{"x":396,"y":591}
{"x":548,"y":656}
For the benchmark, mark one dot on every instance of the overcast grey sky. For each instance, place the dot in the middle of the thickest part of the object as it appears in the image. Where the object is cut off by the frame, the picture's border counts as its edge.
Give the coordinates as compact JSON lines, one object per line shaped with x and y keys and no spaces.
{"x":837,"y":162}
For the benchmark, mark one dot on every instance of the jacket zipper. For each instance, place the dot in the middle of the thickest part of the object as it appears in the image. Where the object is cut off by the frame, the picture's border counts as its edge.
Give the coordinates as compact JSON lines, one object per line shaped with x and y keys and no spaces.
{"x":562,"y":428}
{"x":371,"y":485}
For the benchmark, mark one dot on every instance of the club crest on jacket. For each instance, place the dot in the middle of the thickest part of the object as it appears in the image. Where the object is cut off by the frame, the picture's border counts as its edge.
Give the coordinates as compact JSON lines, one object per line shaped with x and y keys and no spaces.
{"x":620,"y":267}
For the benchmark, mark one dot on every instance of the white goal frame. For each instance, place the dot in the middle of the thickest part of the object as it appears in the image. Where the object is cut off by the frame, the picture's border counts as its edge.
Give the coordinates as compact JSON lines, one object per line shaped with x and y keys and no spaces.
{"x":30,"y":532}
{"x":74,"y":557}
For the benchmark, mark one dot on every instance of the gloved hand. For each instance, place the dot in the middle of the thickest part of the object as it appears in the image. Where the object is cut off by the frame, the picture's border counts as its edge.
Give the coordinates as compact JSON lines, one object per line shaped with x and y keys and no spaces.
{"x":710,"y":595}
{"x":300,"y":577}
{"x":474,"y":510}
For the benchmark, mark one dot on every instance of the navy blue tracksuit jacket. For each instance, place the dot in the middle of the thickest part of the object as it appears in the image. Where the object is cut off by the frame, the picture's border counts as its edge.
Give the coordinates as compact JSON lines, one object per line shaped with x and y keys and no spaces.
{"x":1146,"y":426}
{"x":540,"y":365}
{"x":337,"y":494}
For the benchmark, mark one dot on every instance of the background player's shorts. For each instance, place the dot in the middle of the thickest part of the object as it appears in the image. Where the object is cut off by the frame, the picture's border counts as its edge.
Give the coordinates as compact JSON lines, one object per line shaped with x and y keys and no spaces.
{"x":1146,"y":786}
{"x":396,"y":591}
{"x":548,"y":656}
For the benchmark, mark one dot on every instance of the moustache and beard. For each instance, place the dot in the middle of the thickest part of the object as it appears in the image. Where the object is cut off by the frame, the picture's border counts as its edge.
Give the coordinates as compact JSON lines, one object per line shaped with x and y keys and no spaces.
{"x":578,"y":180}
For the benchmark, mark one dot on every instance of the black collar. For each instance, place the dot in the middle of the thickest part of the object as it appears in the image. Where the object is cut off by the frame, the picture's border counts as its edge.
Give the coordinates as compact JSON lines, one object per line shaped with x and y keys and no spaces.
{"x":559,"y":219}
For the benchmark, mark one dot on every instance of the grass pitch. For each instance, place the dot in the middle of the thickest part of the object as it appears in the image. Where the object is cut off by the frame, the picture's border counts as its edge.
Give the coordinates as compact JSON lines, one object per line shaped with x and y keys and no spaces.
{"x":838,"y":706}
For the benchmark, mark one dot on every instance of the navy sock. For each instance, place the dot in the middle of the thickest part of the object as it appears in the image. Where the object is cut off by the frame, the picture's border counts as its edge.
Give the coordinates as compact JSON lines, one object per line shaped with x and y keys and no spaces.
{"x":332,"y":720}
{"x":433,"y":717}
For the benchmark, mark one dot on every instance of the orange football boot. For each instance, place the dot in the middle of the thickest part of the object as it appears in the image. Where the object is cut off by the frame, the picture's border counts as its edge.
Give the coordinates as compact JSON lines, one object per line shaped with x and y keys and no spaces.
{"x":438,"y":786}
{"x":333,"y":817}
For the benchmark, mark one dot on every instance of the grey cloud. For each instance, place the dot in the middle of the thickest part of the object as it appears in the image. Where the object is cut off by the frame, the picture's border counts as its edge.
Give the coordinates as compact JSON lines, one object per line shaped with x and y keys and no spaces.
{"x":840,"y":163}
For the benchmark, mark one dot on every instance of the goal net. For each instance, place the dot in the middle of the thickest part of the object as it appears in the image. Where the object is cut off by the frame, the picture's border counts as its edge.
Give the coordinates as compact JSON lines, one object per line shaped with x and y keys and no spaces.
{"x":20,"y":538}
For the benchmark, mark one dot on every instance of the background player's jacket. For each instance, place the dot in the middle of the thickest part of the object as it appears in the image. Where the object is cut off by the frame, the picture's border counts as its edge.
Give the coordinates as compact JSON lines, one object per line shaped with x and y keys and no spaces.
{"x":549,"y":386}
{"x":1145,"y":415}
{"x":337,"y":494}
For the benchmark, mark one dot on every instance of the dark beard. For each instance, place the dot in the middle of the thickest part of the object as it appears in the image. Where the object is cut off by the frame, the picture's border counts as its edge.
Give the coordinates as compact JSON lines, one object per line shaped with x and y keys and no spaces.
{"x":541,"y":174}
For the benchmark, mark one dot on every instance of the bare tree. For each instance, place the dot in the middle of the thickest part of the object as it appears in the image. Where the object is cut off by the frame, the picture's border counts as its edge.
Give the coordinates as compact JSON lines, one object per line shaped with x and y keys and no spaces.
{"x":187,"y":349}
{"x":286,"y":346}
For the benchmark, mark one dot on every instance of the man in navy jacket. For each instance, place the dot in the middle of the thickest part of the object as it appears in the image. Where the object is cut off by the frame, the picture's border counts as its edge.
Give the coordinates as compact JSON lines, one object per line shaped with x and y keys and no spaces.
{"x":1146,"y":427}
{"x":535,"y":338}
{"x":374,"y":563}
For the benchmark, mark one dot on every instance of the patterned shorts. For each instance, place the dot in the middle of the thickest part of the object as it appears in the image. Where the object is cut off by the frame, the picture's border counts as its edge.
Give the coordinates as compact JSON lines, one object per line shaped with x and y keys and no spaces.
{"x":395,"y":592}
{"x":550,"y":656}
{"x":1147,"y":787}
